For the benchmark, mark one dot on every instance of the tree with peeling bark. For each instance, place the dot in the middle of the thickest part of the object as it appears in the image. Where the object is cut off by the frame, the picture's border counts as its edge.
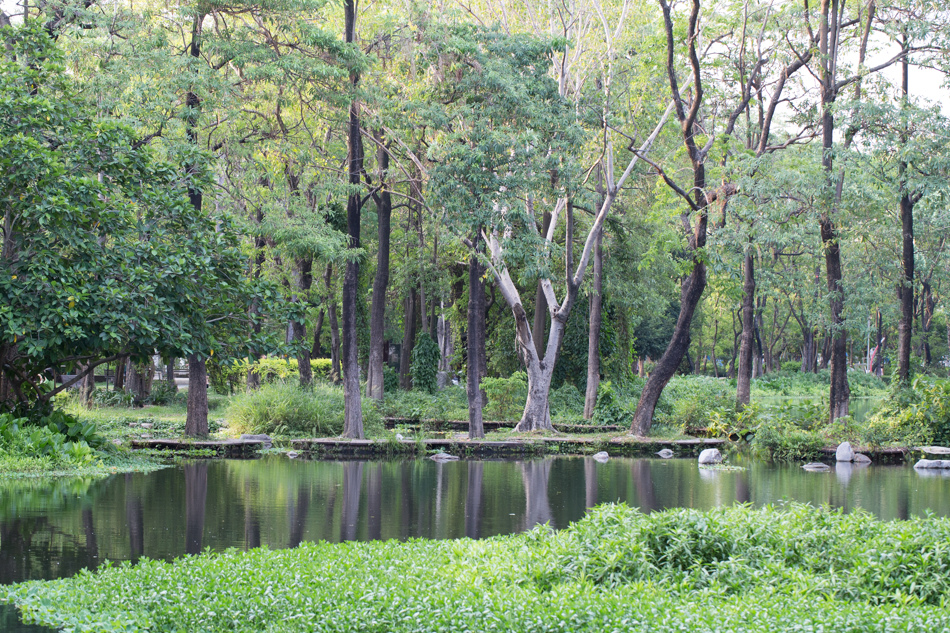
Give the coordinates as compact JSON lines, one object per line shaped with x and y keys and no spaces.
{"x":502,"y":158}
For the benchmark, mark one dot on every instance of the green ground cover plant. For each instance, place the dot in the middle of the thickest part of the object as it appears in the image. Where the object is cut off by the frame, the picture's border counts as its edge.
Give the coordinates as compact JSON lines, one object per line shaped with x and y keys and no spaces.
{"x":792,"y":567}
{"x":60,"y":444}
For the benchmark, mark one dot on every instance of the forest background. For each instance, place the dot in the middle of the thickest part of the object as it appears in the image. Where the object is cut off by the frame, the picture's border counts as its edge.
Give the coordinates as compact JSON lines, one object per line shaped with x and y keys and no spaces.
{"x":597,"y":194}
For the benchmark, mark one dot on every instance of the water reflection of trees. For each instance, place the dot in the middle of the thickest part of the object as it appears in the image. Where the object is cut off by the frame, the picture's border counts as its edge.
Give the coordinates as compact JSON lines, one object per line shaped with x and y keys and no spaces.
{"x":48,"y":529}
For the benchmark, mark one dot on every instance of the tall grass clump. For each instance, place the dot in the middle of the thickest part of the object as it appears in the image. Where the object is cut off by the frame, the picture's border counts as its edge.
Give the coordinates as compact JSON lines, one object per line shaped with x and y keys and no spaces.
{"x":286,"y":409}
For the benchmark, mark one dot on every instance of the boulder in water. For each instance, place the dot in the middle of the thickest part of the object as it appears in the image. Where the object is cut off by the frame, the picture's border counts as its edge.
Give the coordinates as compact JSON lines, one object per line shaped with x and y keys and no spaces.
{"x":710,"y":456}
{"x":844,"y":453}
{"x":601,"y":457}
{"x":665,"y":453}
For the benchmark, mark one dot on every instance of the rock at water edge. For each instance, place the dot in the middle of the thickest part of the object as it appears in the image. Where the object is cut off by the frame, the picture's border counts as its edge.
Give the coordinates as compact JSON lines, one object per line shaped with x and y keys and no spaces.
{"x":601,"y":457}
{"x":816,"y":467}
{"x":933,"y":463}
{"x":861,"y":458}
{"x":260,"y":438}
{"x":665,"y":453}
{"x":443,"y":457}
{"x":710,"y":456}
{"x":844,"y":453}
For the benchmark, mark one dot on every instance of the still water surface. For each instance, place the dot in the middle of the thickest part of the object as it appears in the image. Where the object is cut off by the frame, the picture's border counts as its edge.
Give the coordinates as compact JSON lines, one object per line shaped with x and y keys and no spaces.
{"x":54,"y":528}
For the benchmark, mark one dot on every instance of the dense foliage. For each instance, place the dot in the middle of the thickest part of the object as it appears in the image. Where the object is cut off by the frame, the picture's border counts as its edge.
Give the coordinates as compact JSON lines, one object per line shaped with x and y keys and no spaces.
{"x":735,"y":569}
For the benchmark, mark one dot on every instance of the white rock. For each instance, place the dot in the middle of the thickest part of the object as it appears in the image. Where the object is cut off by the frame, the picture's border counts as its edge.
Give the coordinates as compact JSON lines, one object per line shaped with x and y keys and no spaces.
{"x":816,"y":467}
{"x":292,"y":454}
{"x":665,"y":453}
{"x":601,"y":457}
{"x":844,"y":453}
{"x":861,"y":458}
{"x":146,"y":425}
{"x":710,"y":456}
{"x":443,"y":457}
{"x":933,"y":463}
{"x":399,"y":436}
{"x":934,"y":450}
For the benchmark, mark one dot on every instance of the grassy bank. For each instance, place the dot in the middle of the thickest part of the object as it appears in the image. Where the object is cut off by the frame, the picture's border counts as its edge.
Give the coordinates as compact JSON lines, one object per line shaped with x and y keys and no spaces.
{"x":735,"y":569}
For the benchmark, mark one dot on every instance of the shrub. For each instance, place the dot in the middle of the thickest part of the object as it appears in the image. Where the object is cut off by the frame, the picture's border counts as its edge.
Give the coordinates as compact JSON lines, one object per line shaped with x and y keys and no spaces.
{"x":449,"y":404}
{"x":506,"y":396}
{"x":286,"y":409}
{"x":107,"y":398}
{"x":791,"y":366}
{"x":425,"y":363}
{"x":609,"y":411}
{"x":782,"y":440}
{"x":567,"y":403}
{"x":163,"y":394}
{"x":919,"y":414}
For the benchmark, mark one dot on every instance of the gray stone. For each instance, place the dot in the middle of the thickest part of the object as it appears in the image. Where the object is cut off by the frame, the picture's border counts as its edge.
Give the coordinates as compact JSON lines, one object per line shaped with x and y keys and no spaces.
{"x":933,"y":463}
{"x":399,"y":436}
{"x":861,"y":458}
{"x":443,"y":457}
{"x":844,"y":453}
{"x":292,"y":454}
{"x":933,"y":450}
{"x":665,"y":453}
{"x":601,"y":457}
{"x":816,"y":467}
{"x":441,"y":378}
{"x":131,"y":424}
{"x":710,"y":456}
{"x":146,"y":425}
{"x":260,"y":438}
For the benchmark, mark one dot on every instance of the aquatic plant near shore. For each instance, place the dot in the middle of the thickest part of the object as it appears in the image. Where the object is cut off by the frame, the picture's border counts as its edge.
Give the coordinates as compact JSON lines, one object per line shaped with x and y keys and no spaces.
{"x":735,"y":569}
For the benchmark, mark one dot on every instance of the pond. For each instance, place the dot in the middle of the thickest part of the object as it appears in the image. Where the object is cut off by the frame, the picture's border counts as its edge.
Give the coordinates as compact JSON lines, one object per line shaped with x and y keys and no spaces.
{"x":54,"y":528}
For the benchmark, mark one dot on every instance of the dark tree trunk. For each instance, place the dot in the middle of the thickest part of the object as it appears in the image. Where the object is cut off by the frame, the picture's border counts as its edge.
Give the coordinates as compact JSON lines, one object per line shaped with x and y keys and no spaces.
{"x":840,"y":393}
{"x":928,"y":305}
{"x":596,"y":317}
{"x":353,"y":413}
{"x":260,"y":243}
{"x":303,"y":273}
{"x":196,"y":421}
{"x":316,"y":351}
{"x":87,"y":386}
{"x":690,"y":294}
{"x":170,"y":374}
{"x":335,"y":369}
{"x":408,"y":341}
{"x":744,"y":386}
{"x":384,"y":207}
{"x":476,"y":347}
{"x":139,"y":380}
{"x":119,"y":383}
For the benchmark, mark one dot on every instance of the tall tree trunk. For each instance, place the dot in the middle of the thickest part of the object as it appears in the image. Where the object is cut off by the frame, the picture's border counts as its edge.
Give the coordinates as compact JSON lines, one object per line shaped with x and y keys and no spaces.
{"x":119,"y":383}
{"x":593,"y":339}
{"x":928,"y":305}
{"x":408,"y":341}
{"x":170,"y":374}
{"x":691,"y":292}
{"x":196,"y":420}
{"x":744,"y":377}
{"x":139,"y":379}
{"x":384,"y":206}
{"x":87,"y":386}
{"x":353,"y":413}
{"x":316,"y":351}
{"x":476,"y":346}
{"x":303,"y":273}
{"x":839,"y":393}
{"x":540,"y":302}
{"x":905,"y":291}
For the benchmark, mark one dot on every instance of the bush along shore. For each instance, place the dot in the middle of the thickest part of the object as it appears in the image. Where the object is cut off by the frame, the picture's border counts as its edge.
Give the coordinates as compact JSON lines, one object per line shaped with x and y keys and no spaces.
{"x":793,"y":567}
{"x":786,"y":421}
